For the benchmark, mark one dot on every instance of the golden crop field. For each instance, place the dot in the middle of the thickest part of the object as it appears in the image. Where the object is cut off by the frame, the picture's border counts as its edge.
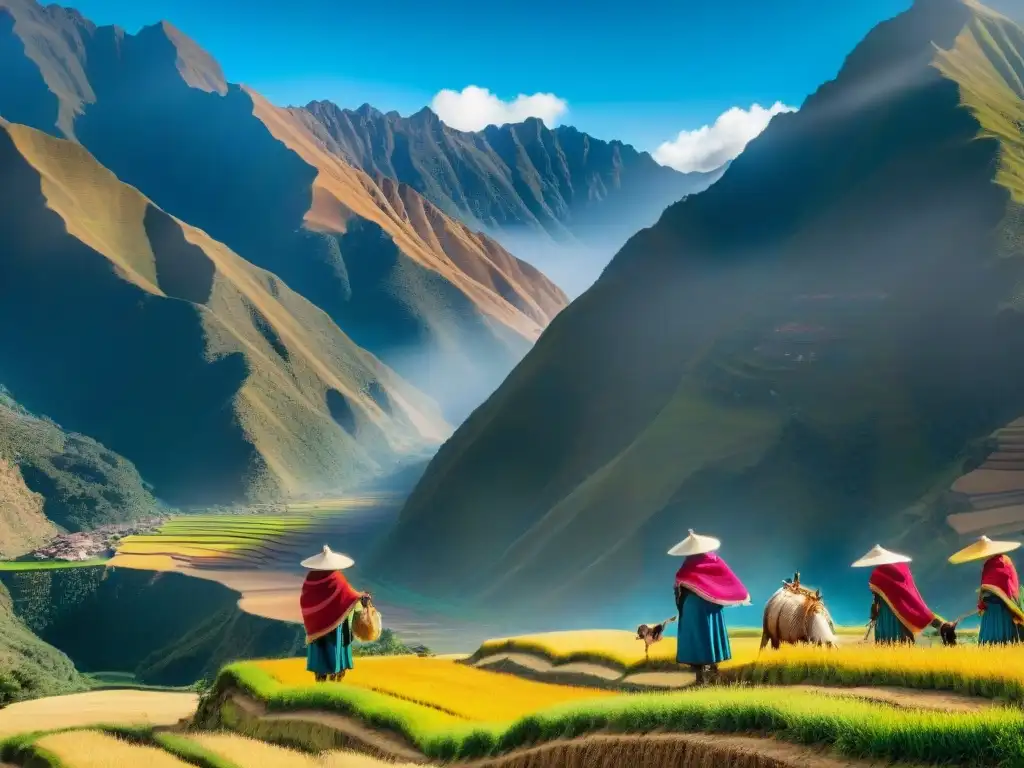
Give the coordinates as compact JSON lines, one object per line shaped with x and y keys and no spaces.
{"x":252,"y":753}
{"x":616,"y":646}
{"x":239,"y":541}
{"x":92,"y":749}
{"x":96,"y":707}
{"x":462,"y":691}
{"x":864,"y":660}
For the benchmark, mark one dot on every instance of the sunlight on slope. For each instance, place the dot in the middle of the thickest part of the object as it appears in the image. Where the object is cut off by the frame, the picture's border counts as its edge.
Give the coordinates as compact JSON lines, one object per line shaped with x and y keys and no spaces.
{"x":341,"y":191}
{"x":295,"y":355}
{"x":98,"y":209}
{"x":97,"y":707}
{"x":988,"y":64}
{"x":92,"y":749}
{"x":460,"y":690}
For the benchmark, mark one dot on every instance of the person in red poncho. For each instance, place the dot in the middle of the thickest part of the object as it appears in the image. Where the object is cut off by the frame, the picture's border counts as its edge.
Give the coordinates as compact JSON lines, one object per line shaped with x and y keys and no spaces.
{"x":704,"y":586}
{"x":999,"y":597}
{"x":328,"y":604}
{"x":898,"y":611}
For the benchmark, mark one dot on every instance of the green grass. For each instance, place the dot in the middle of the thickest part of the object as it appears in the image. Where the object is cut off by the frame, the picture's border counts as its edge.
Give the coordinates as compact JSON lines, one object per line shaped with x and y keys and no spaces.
{"x":50,"y":565}
{"x":99,"y":681}
{"x":852,"y":728}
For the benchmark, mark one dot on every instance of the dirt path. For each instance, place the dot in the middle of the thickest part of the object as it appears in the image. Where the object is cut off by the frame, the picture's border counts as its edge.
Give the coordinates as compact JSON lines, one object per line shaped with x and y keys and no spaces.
{"x":678,"y":750}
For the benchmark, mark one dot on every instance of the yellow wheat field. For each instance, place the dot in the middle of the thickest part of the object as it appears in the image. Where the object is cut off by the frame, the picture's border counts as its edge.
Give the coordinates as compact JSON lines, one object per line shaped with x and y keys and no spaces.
{"x":92,"y":749}
{"x":460,"y":690}
{"x":251,"y":753}
{"x":907,"y":663}
{"x":616,"y":646}
{"x":96,"y":707}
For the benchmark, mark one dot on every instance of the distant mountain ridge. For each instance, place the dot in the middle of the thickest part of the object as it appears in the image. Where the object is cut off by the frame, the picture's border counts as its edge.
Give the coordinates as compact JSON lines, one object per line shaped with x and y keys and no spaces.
{"x":801,"y":360}
{"x":216,"y":379}
{"x":524,"y":183}
{"x":446,"y":307}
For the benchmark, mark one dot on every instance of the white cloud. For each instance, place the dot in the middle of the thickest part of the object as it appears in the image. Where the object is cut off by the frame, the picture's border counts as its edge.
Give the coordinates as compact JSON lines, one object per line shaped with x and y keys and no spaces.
{"x":712,"y":146}
{"x":474,"y":108}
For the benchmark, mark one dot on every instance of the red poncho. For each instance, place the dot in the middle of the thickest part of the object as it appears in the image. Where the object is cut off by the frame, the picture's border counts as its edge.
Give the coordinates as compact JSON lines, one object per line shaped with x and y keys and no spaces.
{"x":999,"y":578}
{"x":709,"y":578}
{"x":894,"y":583}
{"x":327,"y":599}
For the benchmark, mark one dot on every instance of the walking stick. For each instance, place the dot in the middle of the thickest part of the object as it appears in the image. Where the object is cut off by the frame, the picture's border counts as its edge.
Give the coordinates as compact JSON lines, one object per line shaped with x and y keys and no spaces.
{"x":966,"y":616}
{"x":871,"y":625}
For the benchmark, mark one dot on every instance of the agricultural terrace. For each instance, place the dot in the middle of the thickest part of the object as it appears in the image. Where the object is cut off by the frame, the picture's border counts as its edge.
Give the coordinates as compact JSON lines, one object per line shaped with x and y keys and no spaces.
{"x":251,"y":541}
{"x":109,"y":746}
{"x":451,"y":712}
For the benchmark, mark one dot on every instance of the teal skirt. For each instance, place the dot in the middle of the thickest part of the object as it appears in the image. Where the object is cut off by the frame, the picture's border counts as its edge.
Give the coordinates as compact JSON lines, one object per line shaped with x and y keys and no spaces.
{"x":332,"y":653}
{"x":889,"y":629}
{"x":701,"y":637}
{"x":997,"y":625}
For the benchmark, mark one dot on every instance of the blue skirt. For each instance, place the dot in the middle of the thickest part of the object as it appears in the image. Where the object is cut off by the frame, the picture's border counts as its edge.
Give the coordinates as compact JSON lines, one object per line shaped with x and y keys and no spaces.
{"x":997,"y":625}
{"x":889,"y":629}
{"x":702,"y":637}
{"x":332,"y":653}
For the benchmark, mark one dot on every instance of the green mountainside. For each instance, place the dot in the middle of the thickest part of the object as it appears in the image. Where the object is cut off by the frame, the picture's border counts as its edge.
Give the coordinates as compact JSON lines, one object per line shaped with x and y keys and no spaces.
{"x":29,"y":668}
{"x":801,"y":359}
{"x":49,"y":475}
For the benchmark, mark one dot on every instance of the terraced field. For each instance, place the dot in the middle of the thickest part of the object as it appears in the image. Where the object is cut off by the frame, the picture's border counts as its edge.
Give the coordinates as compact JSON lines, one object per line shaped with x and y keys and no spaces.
{"x":218,"y":541}
{"x":858,"y":706}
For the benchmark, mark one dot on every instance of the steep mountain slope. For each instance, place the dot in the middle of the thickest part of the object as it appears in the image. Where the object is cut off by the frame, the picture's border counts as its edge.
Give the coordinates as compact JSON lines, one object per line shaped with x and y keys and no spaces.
{"x":536,"y":189}
{"x":211,"y":375}
{"x":51,"y":476}
{"x":29,"y":668}
{"x":795,"y":359}
{"x":447,"y":308}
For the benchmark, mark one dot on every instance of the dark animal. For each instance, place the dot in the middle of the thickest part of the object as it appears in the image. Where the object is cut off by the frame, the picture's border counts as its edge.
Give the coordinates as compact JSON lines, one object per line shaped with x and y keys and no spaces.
{"x":947,"y":631}
{"x":652,"y":634}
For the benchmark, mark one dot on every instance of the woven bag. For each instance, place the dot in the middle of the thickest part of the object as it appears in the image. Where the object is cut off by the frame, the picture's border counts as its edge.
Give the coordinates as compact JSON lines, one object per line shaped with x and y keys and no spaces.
{"x":366,"y":625}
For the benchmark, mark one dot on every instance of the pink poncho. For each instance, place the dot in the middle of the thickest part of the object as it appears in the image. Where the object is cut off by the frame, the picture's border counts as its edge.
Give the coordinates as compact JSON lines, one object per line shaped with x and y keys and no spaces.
{"x":709,"y":578}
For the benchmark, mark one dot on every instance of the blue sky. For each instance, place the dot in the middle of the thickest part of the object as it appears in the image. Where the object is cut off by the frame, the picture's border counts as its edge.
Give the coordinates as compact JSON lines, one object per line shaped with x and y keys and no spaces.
{"x":640,"y":71}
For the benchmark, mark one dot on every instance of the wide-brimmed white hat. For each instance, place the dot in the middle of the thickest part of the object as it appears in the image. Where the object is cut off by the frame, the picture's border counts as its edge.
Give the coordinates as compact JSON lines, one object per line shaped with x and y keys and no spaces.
{"x":695,"y":544}
{"x":879,"y":555}
{"x":328,"y":561}
{"x":983,"y":548}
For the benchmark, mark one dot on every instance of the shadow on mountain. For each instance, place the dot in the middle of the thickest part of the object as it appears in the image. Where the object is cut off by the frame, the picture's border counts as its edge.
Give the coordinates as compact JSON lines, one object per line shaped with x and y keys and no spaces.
{"x":787,"y":360}
{"x":103,"y":357}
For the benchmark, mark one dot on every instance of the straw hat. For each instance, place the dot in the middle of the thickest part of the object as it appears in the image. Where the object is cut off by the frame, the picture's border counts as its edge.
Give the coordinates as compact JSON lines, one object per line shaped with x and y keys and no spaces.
{"x":695,"y":544}
{"x":328,"y":561}
{"x":879,"y":555}
{"x":982,"y":549}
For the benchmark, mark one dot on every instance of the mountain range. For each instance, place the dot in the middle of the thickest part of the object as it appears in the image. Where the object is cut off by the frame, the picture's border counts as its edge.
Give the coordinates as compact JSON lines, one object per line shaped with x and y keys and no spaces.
{"x":802,"y":359}
{"x":252,"y":315}
{"x":564,"y":200}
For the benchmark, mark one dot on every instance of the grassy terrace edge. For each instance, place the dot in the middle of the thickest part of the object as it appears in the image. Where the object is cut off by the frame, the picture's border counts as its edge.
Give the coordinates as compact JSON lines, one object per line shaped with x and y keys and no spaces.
{"x":852,"y":728}
{"x":50,"y":565}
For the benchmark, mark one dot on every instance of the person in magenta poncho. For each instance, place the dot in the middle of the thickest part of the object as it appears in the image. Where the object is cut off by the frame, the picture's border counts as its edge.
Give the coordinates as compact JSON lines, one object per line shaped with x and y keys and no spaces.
{"x":999,"y":597}
{"x":328,"y":603}
{"x":704,"y":586}
{"x":898,"y":611}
